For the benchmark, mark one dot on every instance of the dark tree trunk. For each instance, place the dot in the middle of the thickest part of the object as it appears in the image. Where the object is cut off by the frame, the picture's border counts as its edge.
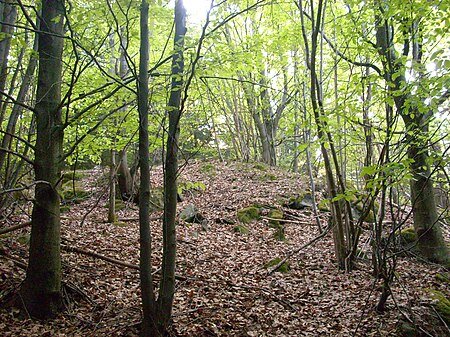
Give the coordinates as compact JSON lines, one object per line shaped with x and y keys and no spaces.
{"x":41,"y":290}
{"x":8,"y":19}
{"x":148,"y":327}
{"x":167,"y":284}
{"x":124,"y":178}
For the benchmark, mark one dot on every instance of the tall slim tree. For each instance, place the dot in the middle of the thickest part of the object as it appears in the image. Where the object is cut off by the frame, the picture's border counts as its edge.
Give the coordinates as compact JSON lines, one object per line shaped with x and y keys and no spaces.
{"x":145,"y":261}
{"x":41,"y":290}
{"x":426,"y":221}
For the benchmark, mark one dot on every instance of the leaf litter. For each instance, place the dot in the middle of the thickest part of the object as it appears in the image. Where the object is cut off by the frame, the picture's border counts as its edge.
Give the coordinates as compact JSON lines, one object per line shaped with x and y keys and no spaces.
{"x":223,"y":288}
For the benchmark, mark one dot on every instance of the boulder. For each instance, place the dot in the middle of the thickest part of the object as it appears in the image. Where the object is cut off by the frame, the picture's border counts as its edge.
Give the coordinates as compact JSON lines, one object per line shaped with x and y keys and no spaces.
{"x":191,"y":214}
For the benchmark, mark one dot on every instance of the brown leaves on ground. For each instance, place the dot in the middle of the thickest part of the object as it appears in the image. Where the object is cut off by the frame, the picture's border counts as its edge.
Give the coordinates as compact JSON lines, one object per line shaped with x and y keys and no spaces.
{"x":225,"y":289}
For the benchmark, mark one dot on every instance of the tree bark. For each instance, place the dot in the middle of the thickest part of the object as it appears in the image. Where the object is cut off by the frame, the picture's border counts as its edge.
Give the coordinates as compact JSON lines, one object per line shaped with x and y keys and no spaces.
{"x":426,"y":222}
{"x":167,"y":284}
{"x":9,"y":16}
{"x":149,"y":327}
{"x":41,"y":290}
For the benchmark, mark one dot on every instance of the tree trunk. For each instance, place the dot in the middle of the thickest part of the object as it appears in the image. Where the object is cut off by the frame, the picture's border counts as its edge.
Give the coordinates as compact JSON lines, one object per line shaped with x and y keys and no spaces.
{"x":41,"y":290}
{"x":430,"y":240}
{"x":124,"y":178}
{"x":9,"y":16}
{"x":148,"y":327}
{"x":17,"y":109}
{"x":112,"y":217}
{"x":167,"y":284}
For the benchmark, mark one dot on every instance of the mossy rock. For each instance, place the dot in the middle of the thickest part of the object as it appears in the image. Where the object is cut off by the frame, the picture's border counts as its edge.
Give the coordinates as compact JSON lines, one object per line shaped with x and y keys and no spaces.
{"x":300,"y":201}
{"x":284,"y":268}
{"x":260,"y":166}
{"x":275,"y":214}
{"x":241,"y":229}
{"x":408,"y":235}
{"x":71,"y":176}
{"x":442,"y":304}
{"x":77,"y":194}
{"x":191,"y":214}
{"x":324,"y":205}
{"x":249,"y":214}
{"x":208,"y":169}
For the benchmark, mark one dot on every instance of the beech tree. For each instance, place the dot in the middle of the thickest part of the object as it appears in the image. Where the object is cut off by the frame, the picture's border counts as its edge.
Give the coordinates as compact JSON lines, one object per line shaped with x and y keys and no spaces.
{"x":41,"y":290}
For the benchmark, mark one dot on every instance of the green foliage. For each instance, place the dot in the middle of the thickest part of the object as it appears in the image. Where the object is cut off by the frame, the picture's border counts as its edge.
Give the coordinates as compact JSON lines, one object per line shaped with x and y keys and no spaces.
{"x":284,"y":268}
{"x":208,"y":169}
{"x":324,"y":205}
{"x":190,"y":187}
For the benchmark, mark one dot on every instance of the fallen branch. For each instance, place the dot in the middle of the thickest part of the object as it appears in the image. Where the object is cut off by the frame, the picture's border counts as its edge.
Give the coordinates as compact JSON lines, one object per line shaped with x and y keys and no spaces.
{"x":99,"y":256}
{"x":295,"y":251}
{"x":286,"y":220}
{"x":13,"y":228}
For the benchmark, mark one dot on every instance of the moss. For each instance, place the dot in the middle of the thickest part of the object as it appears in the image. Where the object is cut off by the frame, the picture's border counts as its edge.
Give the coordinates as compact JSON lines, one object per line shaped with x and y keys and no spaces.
{"x":266,"y":177}
{"x":248,"y":214}
{"x":119,"y":204}
{"x":64,"y":208}
{"x":442,"y":304}
{"x":275,"y":214}
{"x":208,"y":169}
{"x":77,"y":194}
{"x":119,"y":224}
{"x":260,"y":166}
{"x":241,"y":229}
{"x":443,"y":277}
{"x":24,"y":239}
{"x":406,"y":329}
{"x":408,"y":235}
{"x":279,"y":233}
{"x":284,"y":268}
{"x":324,"y":205}
{"x":71,"y":175}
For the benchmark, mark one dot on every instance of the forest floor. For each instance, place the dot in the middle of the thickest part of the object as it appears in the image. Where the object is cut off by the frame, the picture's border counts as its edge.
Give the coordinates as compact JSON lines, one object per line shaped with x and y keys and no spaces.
{"x":224,"y":288}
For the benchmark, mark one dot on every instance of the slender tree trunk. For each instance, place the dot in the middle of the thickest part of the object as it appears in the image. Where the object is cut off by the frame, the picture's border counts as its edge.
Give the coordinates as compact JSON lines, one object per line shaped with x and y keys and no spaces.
{"x":17,"y":109}
{"x":149,"y":327}
{"x":41,"y":290}
{"x":112,"y":188}
{"x":167,"y":285}
{"x":9,"y":17}
{"x":426,"y":222}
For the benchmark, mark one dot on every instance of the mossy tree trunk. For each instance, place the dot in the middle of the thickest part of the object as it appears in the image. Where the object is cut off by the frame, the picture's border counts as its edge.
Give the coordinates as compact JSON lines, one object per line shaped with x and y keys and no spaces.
{"x":41,"y":290}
